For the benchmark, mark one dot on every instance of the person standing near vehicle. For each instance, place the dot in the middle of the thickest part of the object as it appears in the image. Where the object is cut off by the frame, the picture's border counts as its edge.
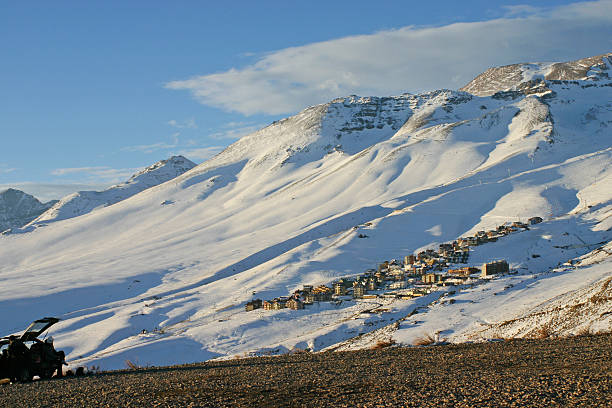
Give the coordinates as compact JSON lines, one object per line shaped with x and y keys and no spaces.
{"x":50,"y":354}
{"x":16,"y":348}
{"x":19,"y":359}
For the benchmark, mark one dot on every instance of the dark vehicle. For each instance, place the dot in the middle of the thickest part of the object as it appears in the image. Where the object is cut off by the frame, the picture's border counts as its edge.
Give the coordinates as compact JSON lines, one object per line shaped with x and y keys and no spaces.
{"x":23,"y":357}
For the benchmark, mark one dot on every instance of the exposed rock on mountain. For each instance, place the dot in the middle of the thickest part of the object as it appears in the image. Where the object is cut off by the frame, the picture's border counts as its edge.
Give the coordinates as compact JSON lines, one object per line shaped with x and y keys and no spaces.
{"x":511,"y":76}
{"x":173,"y":266}
{"x":18,"y":208}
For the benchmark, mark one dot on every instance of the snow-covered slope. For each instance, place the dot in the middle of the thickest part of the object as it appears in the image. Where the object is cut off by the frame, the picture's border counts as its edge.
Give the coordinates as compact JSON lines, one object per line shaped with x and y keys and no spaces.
{"x":83,"y":202}
{"x":170,"y":268}
{"x":18,"y":208}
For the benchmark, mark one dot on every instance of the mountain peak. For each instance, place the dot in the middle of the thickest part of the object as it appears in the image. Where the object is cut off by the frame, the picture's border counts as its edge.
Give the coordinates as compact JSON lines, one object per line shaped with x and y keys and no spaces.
{"x":18,"y":208}
{"x":83,"y":202}
{"x":164,"y":169}
{"x":509,"y":77}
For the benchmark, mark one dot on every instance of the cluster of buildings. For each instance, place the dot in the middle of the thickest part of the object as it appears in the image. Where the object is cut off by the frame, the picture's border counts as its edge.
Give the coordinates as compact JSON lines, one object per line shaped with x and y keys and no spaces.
{"x":305,"y":296}
{"x":408,"y":279}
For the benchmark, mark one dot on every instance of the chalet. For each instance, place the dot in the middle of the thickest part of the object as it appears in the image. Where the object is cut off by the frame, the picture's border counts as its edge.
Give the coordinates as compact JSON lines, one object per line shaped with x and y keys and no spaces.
{"x":380,"y":276}
{"x":535,"y":220}
{"x":445,"y":246}
{"x":409,"y":259}
{"x":279,"y":303}
{"x":505,"y":229}
{"x":462,"y":255}
{"x":431,"y":261}
{"x":358,"y":290}
{"x":455,"y":280}
{"x":463,"y":243}
{"x":267,"y":304}
{"x":518,"y":224}
{"x":295,"y":304}
{"x":415,"y":293}
{"x":397,"y":274}
{"x":463,"y":272}
{"x":431,"y":278}
{"x":410,"y":270}
{"x":398,"y":285}
{"x":456,"y":272}
{"x":253,"y":304}
{"x":427,"y":254}
{"x":322,"y":293}
{"x":371,"y":284}
{"x":447,"y":252}
{"x":420,"y":270}
{"x":339,"y":288}
{"x":495,"y":267}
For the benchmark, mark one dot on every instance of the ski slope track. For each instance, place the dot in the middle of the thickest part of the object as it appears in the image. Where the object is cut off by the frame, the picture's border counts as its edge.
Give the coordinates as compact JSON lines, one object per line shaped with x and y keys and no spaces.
{"x":161,"y":276}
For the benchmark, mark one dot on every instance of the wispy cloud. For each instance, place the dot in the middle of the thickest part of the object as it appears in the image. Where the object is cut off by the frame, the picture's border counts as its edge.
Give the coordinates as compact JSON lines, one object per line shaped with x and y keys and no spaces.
{"x":188,"y":124}
{"x":201,"y":153}
{"x":150,"y":148}
{"x":4,"y":169}
{"x":97,"y":174}
{"x":408,"y":59}
{"x":522,"y":10}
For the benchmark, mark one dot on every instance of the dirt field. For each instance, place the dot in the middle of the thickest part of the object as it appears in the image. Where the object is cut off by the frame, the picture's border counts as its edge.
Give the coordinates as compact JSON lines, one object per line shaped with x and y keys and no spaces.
{"x":573,"y":372}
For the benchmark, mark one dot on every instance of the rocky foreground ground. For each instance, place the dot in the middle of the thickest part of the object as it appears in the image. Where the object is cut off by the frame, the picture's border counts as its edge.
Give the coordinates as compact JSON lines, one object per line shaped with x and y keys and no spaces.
{"x":571,"y":372}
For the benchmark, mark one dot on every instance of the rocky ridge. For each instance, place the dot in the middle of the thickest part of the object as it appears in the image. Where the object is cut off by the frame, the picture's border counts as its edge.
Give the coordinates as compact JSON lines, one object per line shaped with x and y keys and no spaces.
{"x":526,"y":75}
{"x":18,"y":208}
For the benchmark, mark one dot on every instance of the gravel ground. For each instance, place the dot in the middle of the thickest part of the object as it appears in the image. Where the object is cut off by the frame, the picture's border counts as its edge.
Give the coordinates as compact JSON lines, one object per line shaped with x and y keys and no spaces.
{"x":572,"y":372}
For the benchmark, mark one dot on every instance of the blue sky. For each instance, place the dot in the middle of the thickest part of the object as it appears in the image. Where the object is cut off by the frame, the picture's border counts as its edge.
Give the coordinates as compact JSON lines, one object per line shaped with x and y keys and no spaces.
{"x":92,"y":91}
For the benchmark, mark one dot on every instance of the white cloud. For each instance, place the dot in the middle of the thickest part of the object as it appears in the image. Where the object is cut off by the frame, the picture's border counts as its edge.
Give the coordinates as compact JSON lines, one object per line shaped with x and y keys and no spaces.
{"x":150,"y":148}
{"x":98,"y":174}
{"x":409,"y":59}
{"x":521,"y":9}
{"x":4,"y":169}
{"x":188,"y":124}
{"x":201,"y":153}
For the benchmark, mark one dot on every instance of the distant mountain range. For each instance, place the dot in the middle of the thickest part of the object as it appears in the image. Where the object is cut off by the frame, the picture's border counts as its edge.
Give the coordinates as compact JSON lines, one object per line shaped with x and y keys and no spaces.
{"x":83,"y":202}
{"x":332,"y":192}
{"x":18,"y":208}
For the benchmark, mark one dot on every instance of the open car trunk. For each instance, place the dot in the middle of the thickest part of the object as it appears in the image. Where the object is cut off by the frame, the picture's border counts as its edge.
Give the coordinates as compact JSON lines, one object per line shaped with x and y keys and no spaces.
{"x":37,"y":328}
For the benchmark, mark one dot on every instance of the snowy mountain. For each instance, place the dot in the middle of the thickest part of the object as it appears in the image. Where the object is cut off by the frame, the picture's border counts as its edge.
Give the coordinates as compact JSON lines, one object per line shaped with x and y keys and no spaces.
{"x":18,"y":208}
{"x":331,"y":192}
{"x":83,"y":202}
{"x":529,"y":77}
